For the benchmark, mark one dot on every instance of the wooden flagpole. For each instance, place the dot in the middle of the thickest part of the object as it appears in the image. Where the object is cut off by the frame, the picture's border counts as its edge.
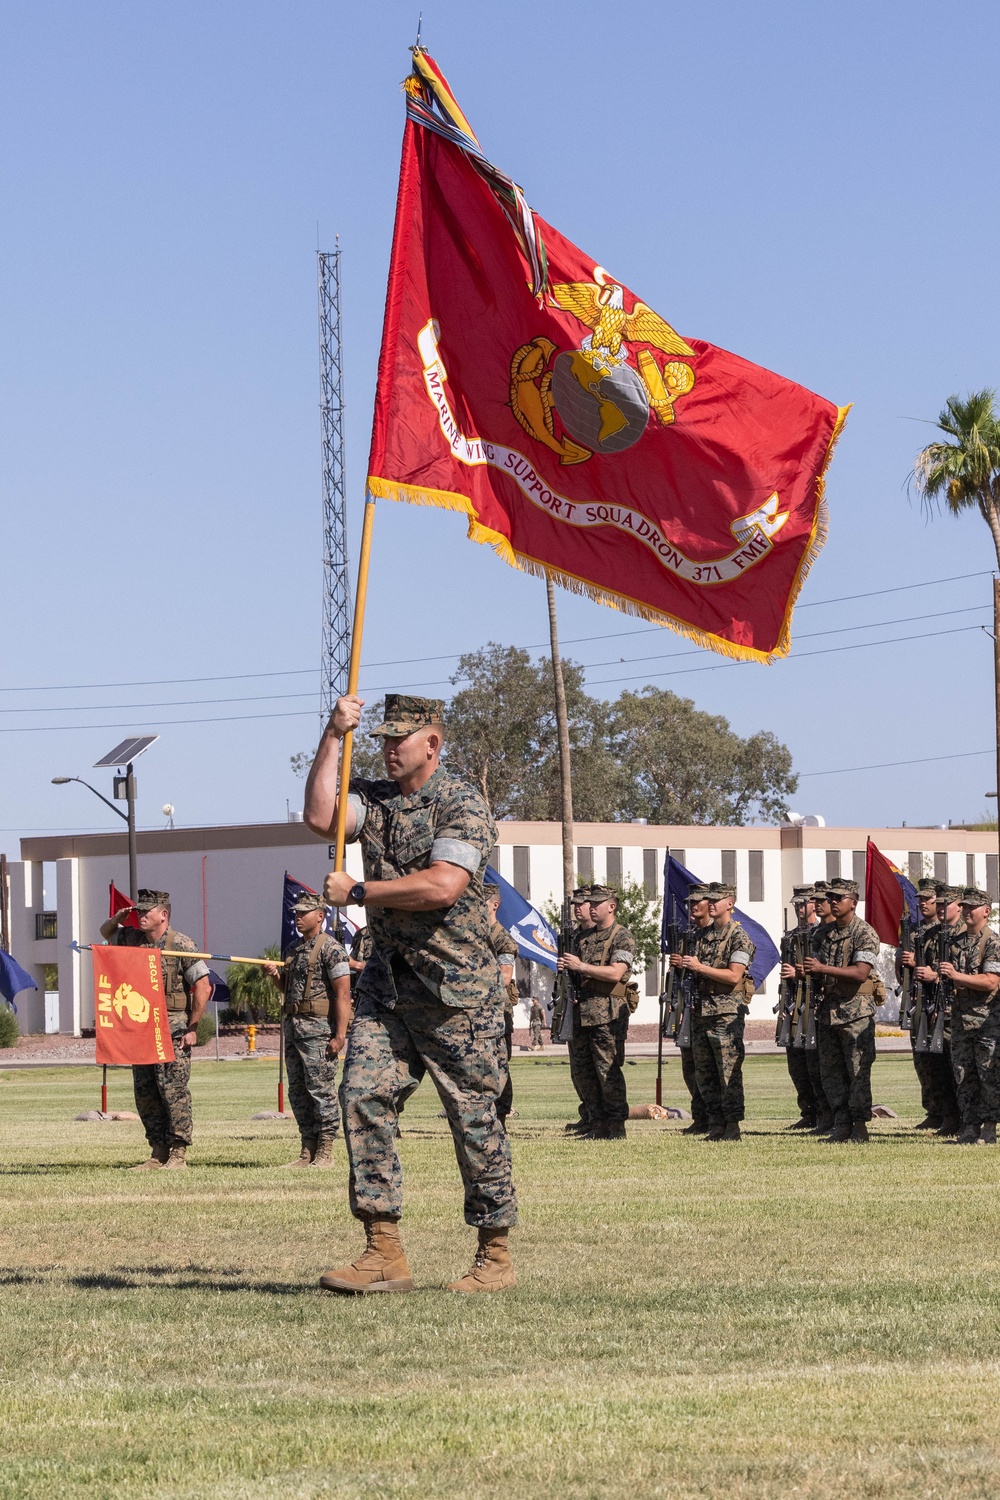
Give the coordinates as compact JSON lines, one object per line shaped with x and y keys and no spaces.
{"x":353,"y":672}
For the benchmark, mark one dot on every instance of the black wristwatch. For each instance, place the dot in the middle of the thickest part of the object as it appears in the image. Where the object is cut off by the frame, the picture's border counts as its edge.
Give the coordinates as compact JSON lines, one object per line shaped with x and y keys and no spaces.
{"x":356,"y":895}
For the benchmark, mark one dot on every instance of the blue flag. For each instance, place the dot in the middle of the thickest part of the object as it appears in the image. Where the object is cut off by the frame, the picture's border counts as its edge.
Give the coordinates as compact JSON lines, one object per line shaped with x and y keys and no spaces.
{"x":677,"y":882}
{"x":220,"y":989}
{"x":290,"y":933}
{"x":536,"y":942}
{"x":911,"y":901}
{"x":13,"y":978}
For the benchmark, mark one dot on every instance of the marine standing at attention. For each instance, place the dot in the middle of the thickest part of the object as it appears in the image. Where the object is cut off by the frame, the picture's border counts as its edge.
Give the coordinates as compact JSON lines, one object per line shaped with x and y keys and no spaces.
{"x":843,"y":960}
{"x":316,"y":986}
{"x":430,"y":999}
{"x":601,"y":965}
{"x":505,"y":948}
{"x":162,"y":1092}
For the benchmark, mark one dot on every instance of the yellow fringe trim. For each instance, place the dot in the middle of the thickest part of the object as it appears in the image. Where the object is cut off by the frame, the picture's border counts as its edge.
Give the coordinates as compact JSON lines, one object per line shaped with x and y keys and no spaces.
{"x":412,"y":494}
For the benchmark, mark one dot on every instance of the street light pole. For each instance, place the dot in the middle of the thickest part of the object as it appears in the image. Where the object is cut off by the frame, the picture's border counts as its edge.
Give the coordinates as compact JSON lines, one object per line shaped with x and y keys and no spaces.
{"x":133,"y":878}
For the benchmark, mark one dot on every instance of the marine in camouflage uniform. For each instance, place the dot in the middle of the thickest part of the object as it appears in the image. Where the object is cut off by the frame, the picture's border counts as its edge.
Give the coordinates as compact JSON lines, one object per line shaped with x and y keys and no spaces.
{"x":594,"y":1056}
{"x":720,"y":1013}
{"x":974,"y":970}
{"x":580,"y":904}
{"x":697,"y":904}
{"x":824,"y":914}
{"x":316,"y":1014}
{"x":795,"y":945}
{"x":360,"y":953}
{"x":430,"y":999}
{"x":934,"y":1069}
{"x":845,"y":1017}
{"x":536,"y":1021}
{"x":506,"y":951}
{"x":162,"y":1090}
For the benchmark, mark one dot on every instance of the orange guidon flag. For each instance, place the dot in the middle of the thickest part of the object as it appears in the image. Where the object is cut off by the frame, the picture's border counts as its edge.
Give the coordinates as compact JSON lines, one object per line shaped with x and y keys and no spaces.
{"x":130,"y":1012}
{"x":584,"y":436}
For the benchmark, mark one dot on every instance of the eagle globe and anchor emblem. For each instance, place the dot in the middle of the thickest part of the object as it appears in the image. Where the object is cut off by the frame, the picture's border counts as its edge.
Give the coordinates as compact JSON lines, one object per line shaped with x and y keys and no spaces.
{"x":602,"y":402}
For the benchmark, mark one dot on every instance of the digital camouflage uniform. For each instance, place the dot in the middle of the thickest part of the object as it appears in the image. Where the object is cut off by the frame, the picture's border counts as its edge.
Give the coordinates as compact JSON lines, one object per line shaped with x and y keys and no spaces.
{"x":361,"y":952}
{"x":934,"y":1069}
{"x":718,"y":1023}
{"x":803,"y":1062}
{"x":162,"y":1092}
{"x":536,"y":1021}
{"x":975,"y":1034}
{"x":594,"y":1051}
{"x":505,"y":948}
{"x":845,"y":1021}
{"x":312,"y":1076}
{"x":430,"y":1000}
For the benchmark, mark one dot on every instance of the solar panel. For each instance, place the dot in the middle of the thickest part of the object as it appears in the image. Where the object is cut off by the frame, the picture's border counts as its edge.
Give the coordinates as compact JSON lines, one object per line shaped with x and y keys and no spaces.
{"x":127,"y":751}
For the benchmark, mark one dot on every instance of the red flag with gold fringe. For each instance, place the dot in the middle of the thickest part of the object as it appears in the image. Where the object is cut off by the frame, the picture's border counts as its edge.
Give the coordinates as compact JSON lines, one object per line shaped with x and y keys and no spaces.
{"x":130,"y":1010}
{"x":582,"y":435}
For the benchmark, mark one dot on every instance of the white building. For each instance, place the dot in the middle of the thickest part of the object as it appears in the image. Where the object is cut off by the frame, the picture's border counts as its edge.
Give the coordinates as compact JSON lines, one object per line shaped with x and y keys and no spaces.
{"x":226,"y":883}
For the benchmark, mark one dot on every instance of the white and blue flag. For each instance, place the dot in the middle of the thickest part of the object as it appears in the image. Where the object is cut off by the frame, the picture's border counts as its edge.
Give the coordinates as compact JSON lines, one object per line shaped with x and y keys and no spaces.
{"x":535,"y":939}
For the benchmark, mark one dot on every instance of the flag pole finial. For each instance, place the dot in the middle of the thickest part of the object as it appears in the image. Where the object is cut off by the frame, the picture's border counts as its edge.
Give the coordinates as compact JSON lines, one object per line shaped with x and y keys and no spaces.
{"x":420,"y":24}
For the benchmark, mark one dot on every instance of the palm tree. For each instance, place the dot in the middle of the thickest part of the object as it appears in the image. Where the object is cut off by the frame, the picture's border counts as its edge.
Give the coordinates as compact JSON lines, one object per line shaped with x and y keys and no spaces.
{"x":963,"y":471}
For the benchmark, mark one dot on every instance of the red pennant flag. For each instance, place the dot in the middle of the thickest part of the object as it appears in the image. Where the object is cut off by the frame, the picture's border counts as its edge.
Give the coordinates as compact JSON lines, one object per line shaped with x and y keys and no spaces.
{"x":883,"y":895}
{"x":118,"y":902}
{"x":582,"y":435}
{"x":130,"y":1012}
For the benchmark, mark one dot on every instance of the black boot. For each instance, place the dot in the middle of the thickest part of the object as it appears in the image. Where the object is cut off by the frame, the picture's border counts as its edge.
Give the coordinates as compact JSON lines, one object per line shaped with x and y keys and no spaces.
{"x":967,"y":1136}
{"x":732,"y":1132}
{"x":807,"y":1122}
{"x":839,"y":1134}
{"x":716,"y":1132}
{"x":859,"y":1133}
{"x":988,"y":1134}
{"x":697,"y":1127}
{"x":930,"y":1122}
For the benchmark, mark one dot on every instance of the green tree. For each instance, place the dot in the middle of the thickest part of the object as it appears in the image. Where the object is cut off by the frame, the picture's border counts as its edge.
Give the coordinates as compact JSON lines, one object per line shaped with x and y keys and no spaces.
{"x":681,"y":765}
{"x":962,"y":469}
{"x":251,"y":992}
{"x":501,"y":736}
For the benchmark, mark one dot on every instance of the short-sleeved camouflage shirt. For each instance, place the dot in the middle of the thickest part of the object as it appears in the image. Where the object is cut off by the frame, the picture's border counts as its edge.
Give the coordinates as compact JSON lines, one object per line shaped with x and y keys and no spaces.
{"x":846,"y":1000}
{"x":178,"y":977}
{"x":448,"y":949}
{"x":614,"y":945}
{"x":331,"y":964}
{"x":975,"y":955}
{"x":718,"y":948}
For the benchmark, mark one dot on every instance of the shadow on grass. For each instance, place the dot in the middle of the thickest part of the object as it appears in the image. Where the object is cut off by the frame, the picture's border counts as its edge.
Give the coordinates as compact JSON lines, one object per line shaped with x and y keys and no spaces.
{"x":128,"y":1279}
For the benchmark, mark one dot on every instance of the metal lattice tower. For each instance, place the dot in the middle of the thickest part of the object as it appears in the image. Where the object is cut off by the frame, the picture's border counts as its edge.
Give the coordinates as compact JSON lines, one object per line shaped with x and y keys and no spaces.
{"x":336,"y":583}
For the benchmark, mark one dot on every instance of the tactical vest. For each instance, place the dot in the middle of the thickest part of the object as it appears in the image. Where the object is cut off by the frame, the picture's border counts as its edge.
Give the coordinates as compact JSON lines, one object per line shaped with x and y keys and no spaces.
{"x":311,"y":1005}
{"x":623,"y":991}
{"x":174,"y":988}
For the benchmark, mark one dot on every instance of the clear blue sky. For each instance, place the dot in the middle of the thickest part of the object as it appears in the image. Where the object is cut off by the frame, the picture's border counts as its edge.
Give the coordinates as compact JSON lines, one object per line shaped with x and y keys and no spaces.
{"x":813,"y":187}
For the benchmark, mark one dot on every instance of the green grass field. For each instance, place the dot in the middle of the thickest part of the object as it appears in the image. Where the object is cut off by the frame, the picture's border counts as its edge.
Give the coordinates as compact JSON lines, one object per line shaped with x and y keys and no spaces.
{"x":776,"y":1318}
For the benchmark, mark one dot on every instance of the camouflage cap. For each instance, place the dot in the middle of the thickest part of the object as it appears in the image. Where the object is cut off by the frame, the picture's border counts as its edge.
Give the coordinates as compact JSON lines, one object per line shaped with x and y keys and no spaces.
{"x":697,"y":893}
{"x":948,"y":893}
{"x":842,"y":887}
{"x":974,"y":895}
{"x":404,"y":714}
{"x":822,"y":891}
{"x":581,"y":894}
{"x":147,"y":900}
{"x":927,"y":887}
{"x":599,"y":893}
{"x":309,"y":901}
{"x":718,"y":891}
{"x":803,"y":893}
{"x":489,"y":886}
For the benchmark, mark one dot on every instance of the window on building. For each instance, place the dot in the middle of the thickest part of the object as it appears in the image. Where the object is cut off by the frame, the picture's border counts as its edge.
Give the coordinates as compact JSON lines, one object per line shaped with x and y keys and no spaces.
{"x":679,"y":854}
{"x":915,"y":866}
{"x":522,"y":870}
{"x":756,"y":875}
{"x":46,"y":925}
{"x":970,"y":869}
{"x":585,"y":865}
{"x":653,"y":979}
{"x":614,"y":866}
{"x":650,"y":871}
{"x":993,"y":876}
{"x":729,"y":867}
{"x":833,"y":864}
{"x":858,"y":868}
{"x":941,"y":868}
{"x":495,"y":857}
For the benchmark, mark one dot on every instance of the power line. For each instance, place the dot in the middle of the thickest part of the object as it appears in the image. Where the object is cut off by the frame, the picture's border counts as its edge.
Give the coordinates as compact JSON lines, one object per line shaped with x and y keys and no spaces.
{"x":87,"y":708}
{"x":75,"y":687}
{"x":886,"y":764}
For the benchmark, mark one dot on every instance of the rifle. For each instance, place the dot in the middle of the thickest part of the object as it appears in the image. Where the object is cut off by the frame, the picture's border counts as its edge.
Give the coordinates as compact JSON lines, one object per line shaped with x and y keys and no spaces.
{"x":805,"y":1021}
{"x":787,"y":996}
{"x":919,"y":1009}
{"x":944,"y":991}
{"x":670,"y":999}
{"x":565,"y":984}
{"x":906,"y":977}
{"x":659,"y":1037}
{"x":688,"y":941}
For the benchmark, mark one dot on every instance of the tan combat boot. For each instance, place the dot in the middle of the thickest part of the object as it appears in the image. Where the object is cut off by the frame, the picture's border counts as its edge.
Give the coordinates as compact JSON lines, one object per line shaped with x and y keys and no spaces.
{"x":305,"y":1156}
{"x":157,"y":1159}
{"x":176,"y":1159}
{"x":381,"y":1267}
{"x":324,"y":1152}
{"x":492,"y":1270}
